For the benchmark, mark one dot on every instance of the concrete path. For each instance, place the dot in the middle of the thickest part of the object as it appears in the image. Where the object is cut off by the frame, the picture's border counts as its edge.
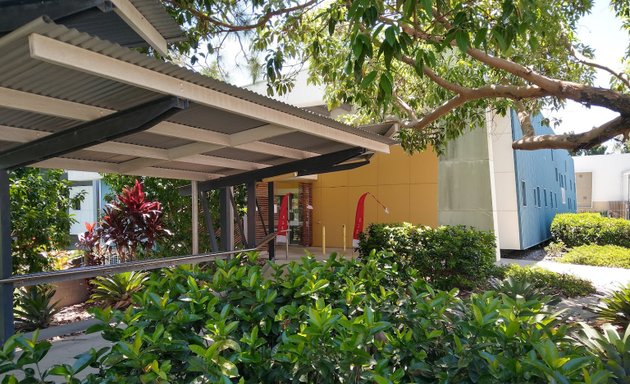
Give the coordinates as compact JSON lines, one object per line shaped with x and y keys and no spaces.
{"x":603,"y":278}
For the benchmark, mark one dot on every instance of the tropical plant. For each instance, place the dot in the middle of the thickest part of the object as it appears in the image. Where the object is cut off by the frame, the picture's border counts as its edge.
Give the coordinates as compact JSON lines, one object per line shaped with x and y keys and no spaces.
{"x":117,"y":290}
{"x":90,"y":244}
{"x":616,"y":307}
{"x":131,"y":223}
{"x":176,"y":210}
{"x":515,"y":288}
{"x":433,"y":66}
{"x":40,"y":219}
{"x":35,"y":308}
{"x":611,"y":347}
{"x":233,"y":324}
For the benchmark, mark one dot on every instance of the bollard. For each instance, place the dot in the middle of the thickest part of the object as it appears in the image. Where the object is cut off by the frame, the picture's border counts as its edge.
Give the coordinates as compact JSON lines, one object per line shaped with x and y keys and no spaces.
{"x":324,"y":241}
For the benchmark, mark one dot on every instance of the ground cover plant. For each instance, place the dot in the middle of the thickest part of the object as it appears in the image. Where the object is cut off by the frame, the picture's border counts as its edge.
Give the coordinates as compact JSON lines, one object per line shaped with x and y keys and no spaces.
{"x":360,"y":321}
{"x":598,"y":255}
{"x":549,"y":282}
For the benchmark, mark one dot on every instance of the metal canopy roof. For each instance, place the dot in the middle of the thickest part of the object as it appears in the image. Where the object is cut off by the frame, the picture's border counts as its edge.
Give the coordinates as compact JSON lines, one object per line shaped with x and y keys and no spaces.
{"x":131,"y":23}
{"x":53,"y":78}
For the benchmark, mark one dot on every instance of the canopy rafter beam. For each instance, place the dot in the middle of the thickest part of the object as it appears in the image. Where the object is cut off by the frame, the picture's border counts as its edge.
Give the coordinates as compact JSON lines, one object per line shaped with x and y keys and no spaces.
{"x":119,"y":124}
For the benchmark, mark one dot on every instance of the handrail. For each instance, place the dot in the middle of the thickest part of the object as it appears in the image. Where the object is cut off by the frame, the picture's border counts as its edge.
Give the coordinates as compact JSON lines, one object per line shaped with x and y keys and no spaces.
{"x":104,"y":270}
{"x":140,"y":265}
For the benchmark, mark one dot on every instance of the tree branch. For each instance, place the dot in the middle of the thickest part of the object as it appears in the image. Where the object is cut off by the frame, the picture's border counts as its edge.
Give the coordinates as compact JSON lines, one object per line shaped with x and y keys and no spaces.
{"x":586,"y":61}
{"x":262,"y":20}
{"x":613,"y":128}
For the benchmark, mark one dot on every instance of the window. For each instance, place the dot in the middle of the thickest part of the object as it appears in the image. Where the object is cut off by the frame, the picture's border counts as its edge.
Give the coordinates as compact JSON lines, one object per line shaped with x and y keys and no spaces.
{"x":556,"y":198}
{"x":551,"y":154}
{"x":76,"y":205}
{"x":524,"y":193}
{"x":538,"y":196}
{"x":556,"y":173}
{"x":545,"y":194}
{"x":535,"y":201}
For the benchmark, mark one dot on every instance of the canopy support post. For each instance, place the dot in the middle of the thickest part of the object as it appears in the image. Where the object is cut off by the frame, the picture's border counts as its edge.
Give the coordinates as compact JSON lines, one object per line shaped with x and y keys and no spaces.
{"x":6,"y":290}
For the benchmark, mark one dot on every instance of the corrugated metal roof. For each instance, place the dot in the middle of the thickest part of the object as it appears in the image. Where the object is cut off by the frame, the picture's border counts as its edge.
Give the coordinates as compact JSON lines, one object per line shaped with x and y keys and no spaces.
{"x":19,"y":71}
{"x":96,"y":18}
{"x":157,"y":15}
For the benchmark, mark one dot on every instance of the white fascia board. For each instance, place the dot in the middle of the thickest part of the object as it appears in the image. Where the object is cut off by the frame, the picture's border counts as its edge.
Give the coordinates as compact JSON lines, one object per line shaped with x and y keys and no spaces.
{"x":141,"y":25}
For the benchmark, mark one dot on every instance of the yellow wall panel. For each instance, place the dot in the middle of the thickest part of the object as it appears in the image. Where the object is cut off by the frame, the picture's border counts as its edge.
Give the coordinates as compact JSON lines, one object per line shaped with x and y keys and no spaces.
{"x":396,"y":199}
{"x":394,"y":168}
{"x":423,"y":167}
{"x":423,"y":200}
{"x":406,"y":184}
{"x":365,"y":175}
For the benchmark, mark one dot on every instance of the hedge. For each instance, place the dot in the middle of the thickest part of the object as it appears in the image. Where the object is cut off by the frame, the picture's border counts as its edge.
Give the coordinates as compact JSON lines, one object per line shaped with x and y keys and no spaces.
{"x":448,"y":256}
{"x":575,"y":229}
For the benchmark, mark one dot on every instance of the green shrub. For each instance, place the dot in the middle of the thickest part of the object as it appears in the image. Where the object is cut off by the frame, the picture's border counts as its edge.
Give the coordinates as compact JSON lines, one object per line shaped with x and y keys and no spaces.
{"x":331,"y":322}
{"x":551,"y":283}
{"x":35,"y":308}
{"x":575,"y":229}
{"x":448,"y":256}
{"x":117,"y":290}
{"x":616,"y":307}
{"x":599,"y":255}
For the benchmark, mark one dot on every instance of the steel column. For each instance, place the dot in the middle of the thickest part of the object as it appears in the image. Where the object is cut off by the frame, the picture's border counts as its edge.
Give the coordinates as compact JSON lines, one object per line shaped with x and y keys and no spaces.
{"x":251,"y":214}
{"x":195,"y":217}
{"x":207,"y":215}
{"x":6,"y":290}
{"x":271,"y":218}
{"x":227,"y":218}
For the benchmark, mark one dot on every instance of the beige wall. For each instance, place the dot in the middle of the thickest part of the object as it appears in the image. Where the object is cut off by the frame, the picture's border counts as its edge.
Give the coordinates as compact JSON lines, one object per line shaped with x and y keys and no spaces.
{"x":406,"y":185}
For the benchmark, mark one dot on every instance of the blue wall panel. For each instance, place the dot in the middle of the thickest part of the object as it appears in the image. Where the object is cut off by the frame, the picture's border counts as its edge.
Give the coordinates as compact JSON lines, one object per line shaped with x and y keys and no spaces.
{"x":543,"y":177}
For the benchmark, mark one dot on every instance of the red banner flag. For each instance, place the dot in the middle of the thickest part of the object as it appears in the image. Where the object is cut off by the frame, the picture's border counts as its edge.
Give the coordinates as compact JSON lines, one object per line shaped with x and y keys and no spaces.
{"x":283,"y":220}
{"x":358,"y":220}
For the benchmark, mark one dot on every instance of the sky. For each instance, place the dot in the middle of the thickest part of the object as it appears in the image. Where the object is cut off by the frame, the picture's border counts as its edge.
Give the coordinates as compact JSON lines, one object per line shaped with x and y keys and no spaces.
{"x":604,"y":33}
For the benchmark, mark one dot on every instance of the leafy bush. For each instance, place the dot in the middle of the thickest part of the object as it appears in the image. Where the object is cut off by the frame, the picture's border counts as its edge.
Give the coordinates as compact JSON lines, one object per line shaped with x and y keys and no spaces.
{"x":40,"y":218}
{"x":575,"y":229}
{"x":116,"y":291}
{"x":599,"y":255}
{"x":448,"y":256}
{"x":338,"y":321}
{"x":549,"y":282}
{"x":616,"y":307}
{"x":35,"y":308}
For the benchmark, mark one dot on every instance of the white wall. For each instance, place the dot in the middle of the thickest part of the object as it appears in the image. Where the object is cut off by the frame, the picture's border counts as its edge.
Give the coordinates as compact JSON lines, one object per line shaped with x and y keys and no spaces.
{"x":86,"y":213}
{"x":608,"y":175}
{"x":83,"y":176}
{"x":506,"y":203}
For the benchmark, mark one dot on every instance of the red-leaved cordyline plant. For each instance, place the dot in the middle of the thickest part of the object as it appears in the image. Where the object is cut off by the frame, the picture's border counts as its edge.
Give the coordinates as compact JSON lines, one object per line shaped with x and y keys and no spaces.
{"x":130,"y":224}
{"x":90,"y":243}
